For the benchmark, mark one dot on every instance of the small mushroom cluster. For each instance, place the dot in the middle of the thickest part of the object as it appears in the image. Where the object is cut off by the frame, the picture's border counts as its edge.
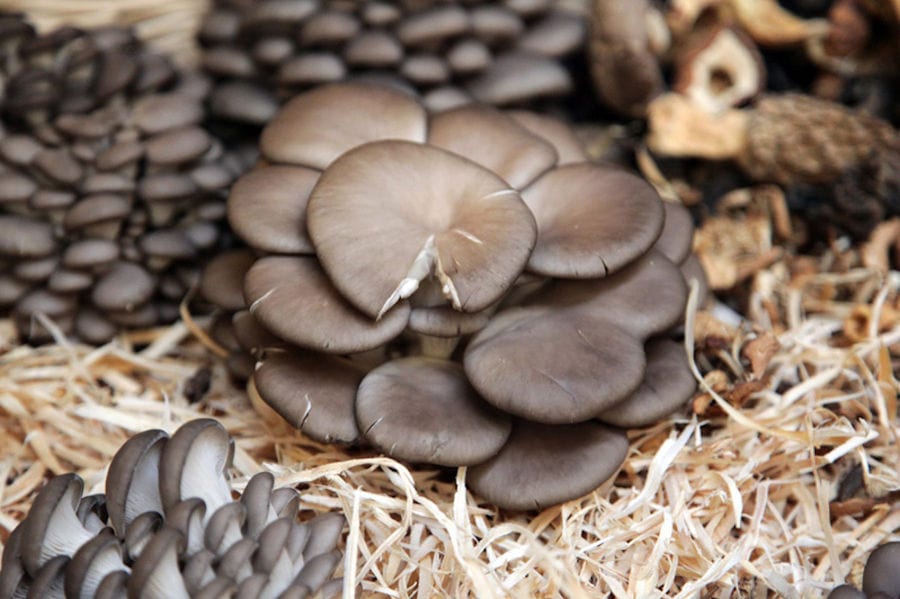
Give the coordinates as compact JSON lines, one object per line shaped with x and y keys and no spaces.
{"x":881,"y":576}
{"x":168,"y":528}
{"x":264,"y":52}
{"x":460,"y":288}
{"x":111,"y":190}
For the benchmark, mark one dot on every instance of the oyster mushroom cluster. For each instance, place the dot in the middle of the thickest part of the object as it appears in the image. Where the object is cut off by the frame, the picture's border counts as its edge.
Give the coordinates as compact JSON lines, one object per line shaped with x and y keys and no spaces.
{"x":111,"y":189}
{"x":262,"y":53}
{"x":168,"y":528}
{"x":460,"y":288}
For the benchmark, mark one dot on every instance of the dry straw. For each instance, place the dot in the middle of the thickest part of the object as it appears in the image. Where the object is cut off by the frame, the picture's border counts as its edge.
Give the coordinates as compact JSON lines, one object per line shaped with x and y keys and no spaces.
{"x":739,"y":504}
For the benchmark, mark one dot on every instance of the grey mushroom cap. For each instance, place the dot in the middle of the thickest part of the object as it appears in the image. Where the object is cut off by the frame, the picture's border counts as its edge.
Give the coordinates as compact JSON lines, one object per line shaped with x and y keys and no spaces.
{"x":223,"y":528}
{"x":125,"y":287}
{"x":132,"y":486}
{"x":114,"y":586}
{"x":52,"y":527}
{"x":424,"y":410}
{"x":518,"y":76}
{"x":493,"y":140}
{"x":443,"y":214}
{"x":317,"y":570}
{"x":155,"y":574}
{"x":243,"y":101}
{"x":592,"y":220}
{"x":256,"y":501}
{"x":140,"y":531}
{"x":543,"y":465}
{"x":250,"y":335}
{"x":188,"y":517}
{"x":667,"y":385}
{"x":846,"y":591}
{"x":585,"y":364}
{"x":443,"y":321}
{"x":677,"y":235}
{"x":194,"y":463}
{"x":568,"y":147}
{"x":320,"y":317}
{"x":50,"y":580}
{"x":281,"y":227}
{"x":315,"y":393}
{"x":12,"y":571}
{"x":324,"y":534}
{"x":24,"y":237}
{"x":222,"y":281}
{"x":93,"y":561}
{"x":356,"y":114}
{"x":272,"y":541}
{"x":882,"y":571}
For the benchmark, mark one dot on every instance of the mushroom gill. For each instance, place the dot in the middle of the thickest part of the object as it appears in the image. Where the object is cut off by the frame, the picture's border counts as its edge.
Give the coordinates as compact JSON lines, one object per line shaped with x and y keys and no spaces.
{"x":481,"y":295}
{"x":173,"y":530}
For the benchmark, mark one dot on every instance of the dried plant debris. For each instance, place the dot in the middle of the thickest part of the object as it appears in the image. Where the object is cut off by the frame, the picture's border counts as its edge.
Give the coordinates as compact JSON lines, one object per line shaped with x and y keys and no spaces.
{"x":262,"y":53}
{"x":512,"y":307}
{"x":167,"y":526}
{"x":111,"y":190}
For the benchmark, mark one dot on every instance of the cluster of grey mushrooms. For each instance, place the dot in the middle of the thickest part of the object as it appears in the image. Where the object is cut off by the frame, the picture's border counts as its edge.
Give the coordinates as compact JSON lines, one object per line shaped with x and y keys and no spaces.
{"x":459,"y":288}
{"x":168,"y":528}
{"x":263,"y":53}
{"x":111,"y":188}
{"x":881,"y":576}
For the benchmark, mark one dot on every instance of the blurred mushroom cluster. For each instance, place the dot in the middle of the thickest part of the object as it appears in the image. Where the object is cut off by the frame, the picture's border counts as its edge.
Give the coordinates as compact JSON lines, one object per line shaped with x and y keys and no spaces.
{"x":806,"y":100}
{"x":263,"y":52}
{"x":881,"y":577}
{"x":111,"y":189}
{"x":460,"y":288}
{"x":168,"y":528}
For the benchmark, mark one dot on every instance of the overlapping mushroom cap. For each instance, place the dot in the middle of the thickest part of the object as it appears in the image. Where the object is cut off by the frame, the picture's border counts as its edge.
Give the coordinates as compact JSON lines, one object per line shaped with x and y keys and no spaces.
{"x":168,"y":528}
{"x":457,"y":288}
{"x":111,"y":189}
{"x":264,"y":52}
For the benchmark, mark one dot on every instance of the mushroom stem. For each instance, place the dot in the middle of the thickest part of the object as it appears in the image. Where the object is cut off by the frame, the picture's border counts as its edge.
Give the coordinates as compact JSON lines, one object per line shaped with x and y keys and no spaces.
{"x":436,"y":347}
{"x":420,"y":268}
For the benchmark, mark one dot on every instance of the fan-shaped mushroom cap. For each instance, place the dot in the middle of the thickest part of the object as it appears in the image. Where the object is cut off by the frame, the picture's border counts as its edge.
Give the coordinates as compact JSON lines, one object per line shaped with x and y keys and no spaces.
{"x":667,"y":384}
{"x":140,"y":531}
{"x":125,"y":287}
{"x":443,"y":321}
{"x":294,"y":299}
{"x":114,"y":586}
{"x":235,"y":562}
{"x":281,"y":227}
{"x":188,"y":517}
{"x":194,"y":463}
{"x":250,"y":335}
{"x":592,"y":220}
{"x":223,"y":528}
{"x":557,"y":34}
{"x":646,"y":298}
{"x":324,"y":534}
{"x":23,"y":237}
{"x":555,"y":367}
{"x":52,"y":527}
{"x":222,"y":281}
{"x":12,"y":571}
{"x":354,"y":113}
{"x":519,"y":76}
{"x":256,"y":501}
{"x":93,"y":562}
{"x":424,"y":410}
{"x":846,"y":591}
{"x":494,"y":140}
{"x":198,"y":570}
{"x":542,"y":465}
{"x":315,"y":393}
{"x":50,"y":580}
{"x":882,"y":571}
{"x":155,"y":574}
{"x":132,"y":482}
{"x":243,"y":101}
{"x":435,"y":211}
{"x":677,"y":235}
{"x":316,"y":571}
{"x":569,"y":148}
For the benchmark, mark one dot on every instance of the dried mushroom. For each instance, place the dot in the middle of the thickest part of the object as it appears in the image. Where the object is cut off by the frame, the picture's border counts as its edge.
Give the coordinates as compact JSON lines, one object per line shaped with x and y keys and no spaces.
{"x":262,"y":53}
{"x":459,"y":288}
{"x":167,"y":527}
{"x":111,"y":190}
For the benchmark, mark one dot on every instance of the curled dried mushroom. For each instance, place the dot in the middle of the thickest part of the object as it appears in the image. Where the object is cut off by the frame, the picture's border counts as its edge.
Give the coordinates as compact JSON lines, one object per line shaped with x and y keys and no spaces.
{"x":454,"y":292}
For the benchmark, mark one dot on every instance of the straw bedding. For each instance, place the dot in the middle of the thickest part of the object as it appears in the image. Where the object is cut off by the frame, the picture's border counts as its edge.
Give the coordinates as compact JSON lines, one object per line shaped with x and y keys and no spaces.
{"x":748,"y":493}
{"x":778,"y":479}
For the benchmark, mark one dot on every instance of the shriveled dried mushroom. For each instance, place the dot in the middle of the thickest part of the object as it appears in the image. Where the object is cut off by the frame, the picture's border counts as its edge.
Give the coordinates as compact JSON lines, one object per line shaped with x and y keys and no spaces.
{"x":458,"y":288}
{"x":262,"y":53}
{"x":111,"y":190}
{"x":167,"y":527}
